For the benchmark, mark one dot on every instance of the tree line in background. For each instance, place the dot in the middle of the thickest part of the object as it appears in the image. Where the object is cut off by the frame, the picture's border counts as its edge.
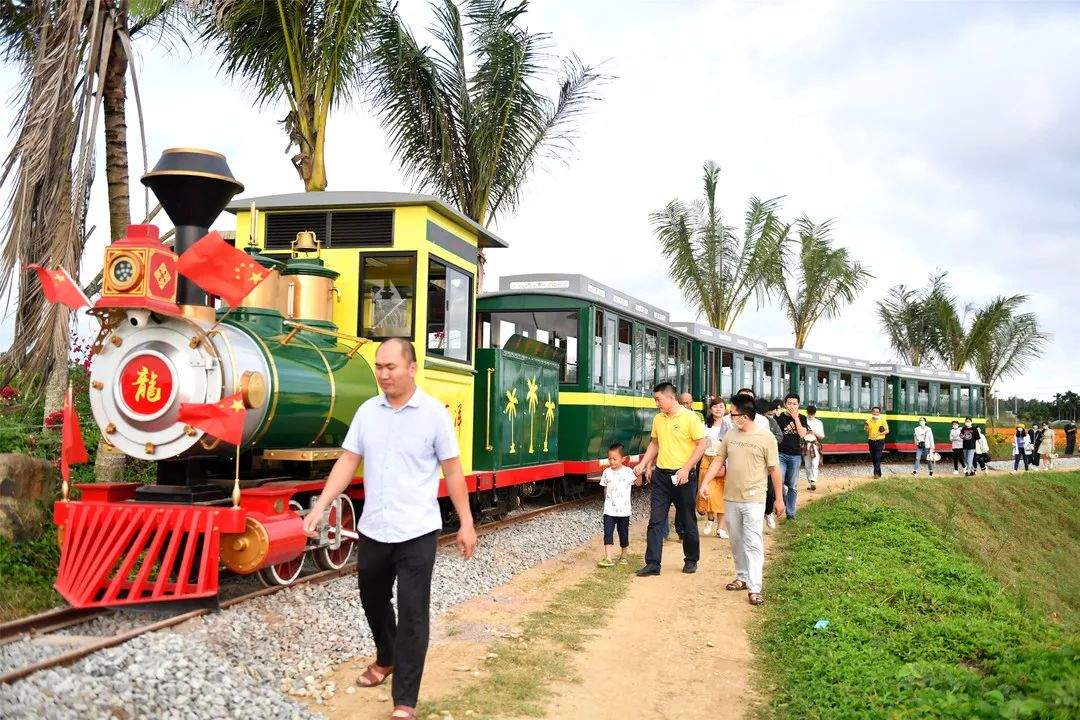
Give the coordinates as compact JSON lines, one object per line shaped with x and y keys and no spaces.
{"x":1064,"y":406}
{"x":797,"y":263}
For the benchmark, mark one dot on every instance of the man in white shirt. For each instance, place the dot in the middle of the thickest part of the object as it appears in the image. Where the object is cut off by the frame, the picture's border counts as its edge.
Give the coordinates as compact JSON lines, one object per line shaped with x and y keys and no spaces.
{"x":404,"y":437}
{"x":812,"y":446}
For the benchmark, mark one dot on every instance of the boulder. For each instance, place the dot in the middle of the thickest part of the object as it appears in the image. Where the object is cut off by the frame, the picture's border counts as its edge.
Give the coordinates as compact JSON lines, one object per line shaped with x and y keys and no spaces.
{"x":25,"y":480}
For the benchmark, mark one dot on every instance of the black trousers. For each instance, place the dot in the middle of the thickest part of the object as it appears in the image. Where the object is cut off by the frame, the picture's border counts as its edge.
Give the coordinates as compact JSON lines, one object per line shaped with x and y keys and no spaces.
{"x":957,"y":458}
{"x":1070,"y":443}
{"x":623,"y":523}
{"x":664,"y":495}
{"x":877,"y":449}
{"x":401,"y":643}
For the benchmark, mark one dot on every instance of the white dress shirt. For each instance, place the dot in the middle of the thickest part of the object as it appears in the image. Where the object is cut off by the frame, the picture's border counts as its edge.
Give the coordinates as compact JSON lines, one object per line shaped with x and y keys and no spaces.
{"x":402,"y":450}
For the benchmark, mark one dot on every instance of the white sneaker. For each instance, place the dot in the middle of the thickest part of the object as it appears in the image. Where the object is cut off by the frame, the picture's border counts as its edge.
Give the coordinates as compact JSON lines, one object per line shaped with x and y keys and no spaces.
{"x":709,"y":527}
{"x":955,"y":472}
{"x":770,"y":521}
{"x":722,"y":534}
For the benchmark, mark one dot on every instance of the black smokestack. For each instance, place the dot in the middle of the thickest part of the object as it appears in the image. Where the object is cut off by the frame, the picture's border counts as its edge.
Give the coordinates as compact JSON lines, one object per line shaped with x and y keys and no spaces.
{"x":193,"y":186}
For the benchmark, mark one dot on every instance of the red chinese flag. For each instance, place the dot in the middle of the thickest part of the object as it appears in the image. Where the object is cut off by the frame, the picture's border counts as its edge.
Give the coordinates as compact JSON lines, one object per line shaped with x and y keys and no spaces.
{"x":223,"y":419}
{"x":220,"y":269}
{"x":59,"y":287}
{"x":72,"y":448}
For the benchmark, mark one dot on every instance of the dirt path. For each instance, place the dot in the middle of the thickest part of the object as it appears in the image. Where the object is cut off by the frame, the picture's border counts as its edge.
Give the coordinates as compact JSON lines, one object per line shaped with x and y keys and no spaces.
{"x":654,"y":649}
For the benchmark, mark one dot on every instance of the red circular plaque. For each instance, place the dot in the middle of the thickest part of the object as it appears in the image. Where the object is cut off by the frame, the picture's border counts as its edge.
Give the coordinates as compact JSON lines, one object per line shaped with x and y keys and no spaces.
{"x":146,"y":384}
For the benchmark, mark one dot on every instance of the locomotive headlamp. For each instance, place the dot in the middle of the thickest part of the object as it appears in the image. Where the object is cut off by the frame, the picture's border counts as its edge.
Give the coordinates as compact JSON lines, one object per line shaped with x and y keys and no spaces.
{"x":125,"y":271}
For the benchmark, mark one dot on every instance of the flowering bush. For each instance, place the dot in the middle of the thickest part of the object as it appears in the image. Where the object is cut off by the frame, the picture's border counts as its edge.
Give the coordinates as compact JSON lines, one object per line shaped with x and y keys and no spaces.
{"x":54,"y":420}
{"x":8,"y":394}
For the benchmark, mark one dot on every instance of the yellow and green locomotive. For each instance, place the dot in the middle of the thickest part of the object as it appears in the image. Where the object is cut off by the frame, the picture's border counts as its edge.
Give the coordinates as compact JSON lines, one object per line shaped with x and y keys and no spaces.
{"x":538,"y":379}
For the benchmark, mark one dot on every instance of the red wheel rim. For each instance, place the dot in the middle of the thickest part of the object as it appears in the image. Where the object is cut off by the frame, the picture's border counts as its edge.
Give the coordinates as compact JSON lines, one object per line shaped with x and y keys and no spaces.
{"x":348,"y":522}
{"x":287,"y":570}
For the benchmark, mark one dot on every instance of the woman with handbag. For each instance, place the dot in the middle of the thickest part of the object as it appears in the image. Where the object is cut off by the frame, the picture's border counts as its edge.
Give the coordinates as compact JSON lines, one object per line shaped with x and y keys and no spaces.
{"x":1046,"y":445}
{"x":982,"y":453}
{"x":1021,"y":448}
{"x":924,"y":446}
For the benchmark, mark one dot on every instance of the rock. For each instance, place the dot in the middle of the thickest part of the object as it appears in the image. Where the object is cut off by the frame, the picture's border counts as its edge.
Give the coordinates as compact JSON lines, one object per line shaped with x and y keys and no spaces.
{"x":28,"y":478}
{"x":350,"y":690}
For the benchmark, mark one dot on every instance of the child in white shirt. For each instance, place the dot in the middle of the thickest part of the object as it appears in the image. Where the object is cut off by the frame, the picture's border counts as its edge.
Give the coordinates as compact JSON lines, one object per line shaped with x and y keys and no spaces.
{"x":616,"y":481}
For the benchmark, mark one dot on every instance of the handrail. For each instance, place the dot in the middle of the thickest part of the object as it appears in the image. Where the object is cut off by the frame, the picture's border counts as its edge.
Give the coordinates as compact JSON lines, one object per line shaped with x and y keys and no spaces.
{"x":487,"y":431}
{"x":298,"y":327}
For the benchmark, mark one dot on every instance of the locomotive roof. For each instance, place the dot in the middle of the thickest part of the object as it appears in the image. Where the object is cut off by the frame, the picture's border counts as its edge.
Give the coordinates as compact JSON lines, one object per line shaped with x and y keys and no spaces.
{"x":337,"y":199}
{"x":922,"y":373}
{"x":825,"y":360}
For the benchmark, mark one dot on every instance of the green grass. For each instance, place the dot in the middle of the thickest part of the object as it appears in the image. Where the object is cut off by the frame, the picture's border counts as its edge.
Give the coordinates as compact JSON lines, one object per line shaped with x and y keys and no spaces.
{"x":955,"y":598}
{"x":517,"y":682}
{"x":27,"y":571}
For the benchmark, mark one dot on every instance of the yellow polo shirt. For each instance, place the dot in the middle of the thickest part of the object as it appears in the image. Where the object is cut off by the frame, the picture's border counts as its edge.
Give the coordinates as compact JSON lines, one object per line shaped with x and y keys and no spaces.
{"x":677,"y":436}
{"x":876,"y":430}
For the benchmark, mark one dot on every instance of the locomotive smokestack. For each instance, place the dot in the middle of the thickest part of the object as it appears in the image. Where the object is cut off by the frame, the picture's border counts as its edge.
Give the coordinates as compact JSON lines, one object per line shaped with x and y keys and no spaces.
{"x":193,"y":186}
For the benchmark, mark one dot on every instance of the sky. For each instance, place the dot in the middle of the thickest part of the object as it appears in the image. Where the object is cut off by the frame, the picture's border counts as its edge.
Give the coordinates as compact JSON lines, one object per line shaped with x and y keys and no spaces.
{"x":939,"y":136}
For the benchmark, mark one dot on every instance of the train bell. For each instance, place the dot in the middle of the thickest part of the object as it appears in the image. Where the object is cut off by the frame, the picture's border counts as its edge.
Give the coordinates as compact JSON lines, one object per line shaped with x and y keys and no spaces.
{"x":305,"y":242}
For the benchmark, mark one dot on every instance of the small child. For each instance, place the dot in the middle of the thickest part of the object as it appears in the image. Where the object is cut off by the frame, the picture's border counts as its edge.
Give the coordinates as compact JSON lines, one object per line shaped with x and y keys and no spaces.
{"x":616,"y":481}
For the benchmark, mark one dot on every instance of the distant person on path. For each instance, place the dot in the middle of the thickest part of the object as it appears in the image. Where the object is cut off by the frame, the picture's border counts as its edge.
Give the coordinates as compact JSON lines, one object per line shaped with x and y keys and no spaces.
{"x":1046,"y":445}
{"x":1021,"y":448}
{"x":686,"y":400}
{"x":982,"y":453}
{"x":678,"y":440}
{"x":617,"y":480}
{"x":812,"y":446}
{"x":1036,"y":434}
{"x":765,"y":410}
{"x":957,"y":447}
{"x":405,"y":437}
{"x":924,"y":446}
{"x":969,"y":436}
{"x":876,"y":428}
{"x":749,"y":460}
{"x":711,"y":496}
{"x":793,"y":426}
{"x":1070,"y":437}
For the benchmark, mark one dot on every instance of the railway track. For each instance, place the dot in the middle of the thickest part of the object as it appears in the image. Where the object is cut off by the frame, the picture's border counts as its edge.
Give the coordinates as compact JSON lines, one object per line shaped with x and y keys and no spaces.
{"x":63,"y":618}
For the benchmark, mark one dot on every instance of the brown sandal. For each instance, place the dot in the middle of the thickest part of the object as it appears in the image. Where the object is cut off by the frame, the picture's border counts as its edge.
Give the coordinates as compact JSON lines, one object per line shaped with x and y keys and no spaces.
{"x":410,"y":713}
{"x":755,"y":598}
{"x":735,"y":585}
{"x":373,"y":676}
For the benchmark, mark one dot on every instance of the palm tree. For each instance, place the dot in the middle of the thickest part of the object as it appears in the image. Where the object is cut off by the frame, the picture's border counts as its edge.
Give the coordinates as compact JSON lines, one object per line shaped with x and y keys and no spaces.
{"x":1009,"y":348}
{"x":908,"y":321}
{"x":714,"y":269}
{"x":466,"y":120}
{"x":309,"y":53}
{"x":959,"y":340}
{"x":825,"y":279}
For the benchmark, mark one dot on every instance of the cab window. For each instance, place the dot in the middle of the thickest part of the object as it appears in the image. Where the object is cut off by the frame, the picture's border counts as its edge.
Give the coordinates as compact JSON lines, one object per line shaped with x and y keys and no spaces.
{"x":449,"y":308}
{"x":388,"y":294}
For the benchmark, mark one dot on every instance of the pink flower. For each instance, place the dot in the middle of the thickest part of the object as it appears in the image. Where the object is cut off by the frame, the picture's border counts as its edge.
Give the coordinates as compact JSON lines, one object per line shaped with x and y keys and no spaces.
{"x":8,"y":394}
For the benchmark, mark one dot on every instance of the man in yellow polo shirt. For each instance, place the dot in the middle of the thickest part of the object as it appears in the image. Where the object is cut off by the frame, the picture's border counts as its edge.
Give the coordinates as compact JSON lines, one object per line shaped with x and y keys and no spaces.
{"x":677,"y":444}
{"x":877,"y":428}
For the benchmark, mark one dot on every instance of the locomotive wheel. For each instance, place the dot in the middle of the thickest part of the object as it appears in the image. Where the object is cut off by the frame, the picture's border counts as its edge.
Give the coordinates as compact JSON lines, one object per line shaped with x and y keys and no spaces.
{"x":284,"y":573}
{"x":531,"y":490}
{"x":326,"y":558}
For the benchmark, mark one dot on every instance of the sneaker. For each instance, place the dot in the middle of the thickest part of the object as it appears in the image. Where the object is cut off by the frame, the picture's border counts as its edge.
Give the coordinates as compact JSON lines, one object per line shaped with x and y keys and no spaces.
{"x":710,"y":526}
{"x":813,"y":486}
{"x":689,"y":567}
{"x":931,"y":473}
{"x":648,"y":570}
{"x":623,"y":560}
{"x":914,"y":472}
{"x":770,"y":521}
{"x":955,"y":472}
{"x":604,"y":562}
{"x":722,"y":534}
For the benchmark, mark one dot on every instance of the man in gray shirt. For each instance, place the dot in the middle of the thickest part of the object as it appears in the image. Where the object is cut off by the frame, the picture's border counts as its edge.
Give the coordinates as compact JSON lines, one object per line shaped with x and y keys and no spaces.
{"x":404,"y":438}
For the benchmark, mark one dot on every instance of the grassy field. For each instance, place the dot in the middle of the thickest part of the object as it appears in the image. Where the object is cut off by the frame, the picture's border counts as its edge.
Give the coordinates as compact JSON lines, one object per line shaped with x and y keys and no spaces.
{"x":956,"y":598}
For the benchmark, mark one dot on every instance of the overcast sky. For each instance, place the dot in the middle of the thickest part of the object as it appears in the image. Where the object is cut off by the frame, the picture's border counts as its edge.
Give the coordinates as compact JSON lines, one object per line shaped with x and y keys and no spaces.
{"x":938,"y":136}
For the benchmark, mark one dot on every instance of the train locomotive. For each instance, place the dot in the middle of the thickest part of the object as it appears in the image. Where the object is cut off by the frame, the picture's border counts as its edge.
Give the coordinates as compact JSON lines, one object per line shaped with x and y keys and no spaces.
{"x":538,"y":378}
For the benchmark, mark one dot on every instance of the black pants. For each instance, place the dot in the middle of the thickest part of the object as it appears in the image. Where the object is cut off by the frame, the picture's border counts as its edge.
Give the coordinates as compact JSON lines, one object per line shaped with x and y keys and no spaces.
{"x":623,"y":523}
{"x":958,"y":458}
{"x":683,"y":497}
{"x":877,"y":449}
{"x":980,"y":460}
{"x":1016,"y":461}
{"x":1070,"y":443}
{"x":770,"y":496}
{"x":401,"y":644}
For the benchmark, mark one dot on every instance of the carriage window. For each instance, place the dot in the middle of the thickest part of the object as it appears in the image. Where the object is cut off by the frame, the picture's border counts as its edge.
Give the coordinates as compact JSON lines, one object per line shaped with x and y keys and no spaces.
{"x":598,"y":350}
{"x":684,"y":366}
{"x":965,"y":400}
{"x":845,"y":391}
{"x":864,"y":394}
{"x":638,"y":356}
{"x":980,"y":409}
{"x":609,"y":352}
{"x":768,"y":379}
{"x":889,"y":405}
{"x":449,"y":310}
{"x":710,"y":372}
{"x":727,"y":362}
{"x":388,"y":286}
{"x":806,"y":385}
{"x":785,"y":380}
{"x":623,"y":359}
{"x":944,"y":401}
{"x":748,"y":375}
{"x":650,"y":360}
{"x":557,"y":328}
{"x":923,"y":399}
{"x":673,"y":362}
{"x":822,"y":394}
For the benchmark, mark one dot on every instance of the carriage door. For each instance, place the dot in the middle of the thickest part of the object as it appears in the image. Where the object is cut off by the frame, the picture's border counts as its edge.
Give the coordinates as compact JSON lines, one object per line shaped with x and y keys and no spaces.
{"x":610,"y":408}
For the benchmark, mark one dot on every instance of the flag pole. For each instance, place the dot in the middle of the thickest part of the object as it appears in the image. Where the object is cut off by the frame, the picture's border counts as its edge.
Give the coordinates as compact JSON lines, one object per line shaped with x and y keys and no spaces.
{"x":64,"y":486}
{"x":236,"y":481}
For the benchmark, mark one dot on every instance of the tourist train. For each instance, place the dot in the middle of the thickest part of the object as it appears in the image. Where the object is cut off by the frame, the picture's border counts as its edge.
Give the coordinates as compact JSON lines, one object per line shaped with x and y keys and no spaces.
{"x":538,"y":378}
